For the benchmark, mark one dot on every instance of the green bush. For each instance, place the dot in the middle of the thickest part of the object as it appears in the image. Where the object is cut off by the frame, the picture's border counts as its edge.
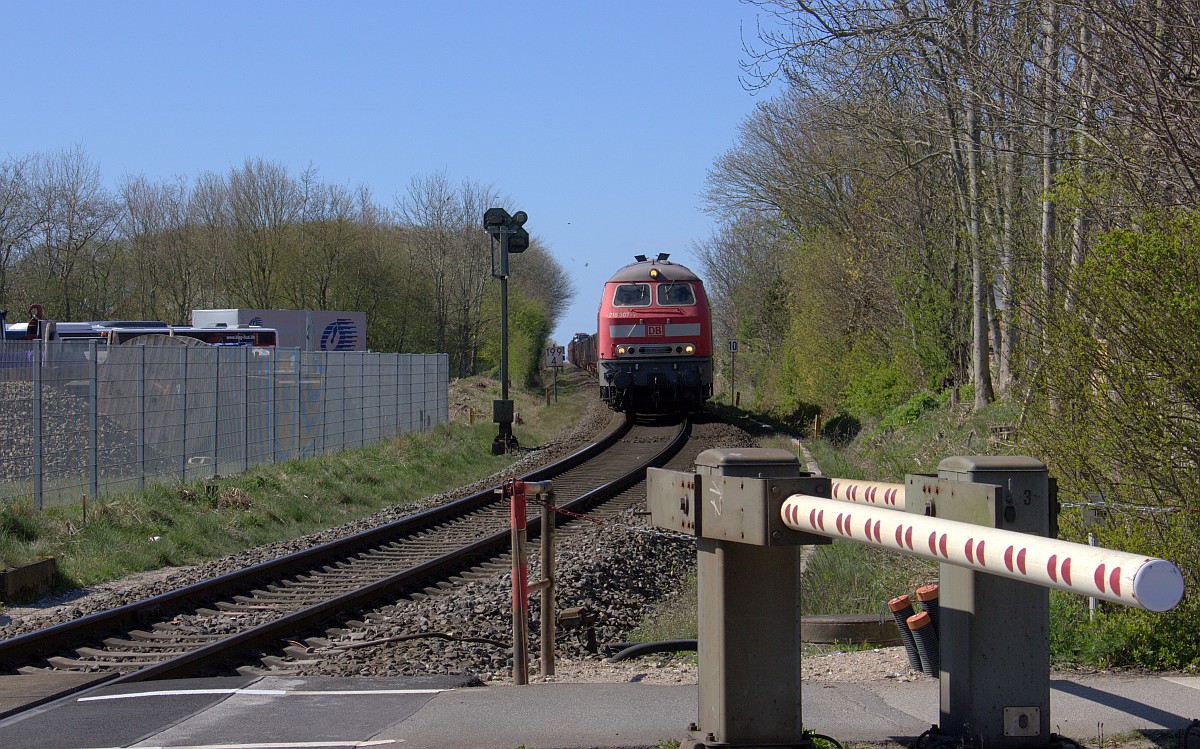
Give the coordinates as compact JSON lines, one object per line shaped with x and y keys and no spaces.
{"x":873,"y":389}
{"x":1120,"y":636}
{"x":910,"y":411}
{"x":1112,"y":413}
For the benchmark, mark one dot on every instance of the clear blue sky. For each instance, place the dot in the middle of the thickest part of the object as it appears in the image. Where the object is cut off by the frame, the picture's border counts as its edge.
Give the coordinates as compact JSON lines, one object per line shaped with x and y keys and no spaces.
{"x":600,"y":118}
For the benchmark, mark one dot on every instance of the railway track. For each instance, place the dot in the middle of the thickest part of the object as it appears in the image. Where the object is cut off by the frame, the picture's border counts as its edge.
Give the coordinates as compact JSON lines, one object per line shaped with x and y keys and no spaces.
{"x":212,"y":627}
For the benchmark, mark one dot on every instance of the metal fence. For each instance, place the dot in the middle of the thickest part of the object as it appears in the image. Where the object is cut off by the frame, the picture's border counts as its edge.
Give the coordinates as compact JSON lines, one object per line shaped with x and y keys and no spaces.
{"x":85,"y":419}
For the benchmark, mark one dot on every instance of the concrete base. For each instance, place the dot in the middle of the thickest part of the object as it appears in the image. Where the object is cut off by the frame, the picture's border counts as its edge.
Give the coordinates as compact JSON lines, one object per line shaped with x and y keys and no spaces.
{"x":856,"y":629}
{"x":28,"y":581}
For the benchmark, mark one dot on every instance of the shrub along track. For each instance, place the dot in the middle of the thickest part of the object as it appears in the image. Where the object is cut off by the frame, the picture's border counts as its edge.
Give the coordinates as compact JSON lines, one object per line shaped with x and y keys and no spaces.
{"x":206,"y":627}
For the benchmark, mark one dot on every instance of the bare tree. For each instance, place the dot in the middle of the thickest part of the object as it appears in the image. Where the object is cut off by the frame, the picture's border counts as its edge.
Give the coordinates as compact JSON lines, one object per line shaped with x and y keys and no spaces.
{"x":209,"y":213}
{"x":330,"y":232}
{"x":166,"y":248}
{"x":18,"y":222}
{"x":76,"y":223}
{"x":429,"y":210}
{"x":265,"y":204}
{"x":444,"y":223}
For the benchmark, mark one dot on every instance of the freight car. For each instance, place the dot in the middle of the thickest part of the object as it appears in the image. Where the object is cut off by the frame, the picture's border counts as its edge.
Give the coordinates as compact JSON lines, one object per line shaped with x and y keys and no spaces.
{"x":581,"y":351}
{"x":654,"y":339}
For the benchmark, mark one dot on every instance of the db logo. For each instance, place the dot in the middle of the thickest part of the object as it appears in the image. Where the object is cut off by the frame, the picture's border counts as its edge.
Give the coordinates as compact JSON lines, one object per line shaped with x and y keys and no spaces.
{"x":656,"y":330}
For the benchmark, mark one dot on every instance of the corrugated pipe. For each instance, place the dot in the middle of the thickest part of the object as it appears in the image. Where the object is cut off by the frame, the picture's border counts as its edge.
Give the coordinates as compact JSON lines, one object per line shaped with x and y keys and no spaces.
{"x":901,"y":607}
{"x":928,"y":596}
{"x":646,"y":648}
{"x":927,"y":642}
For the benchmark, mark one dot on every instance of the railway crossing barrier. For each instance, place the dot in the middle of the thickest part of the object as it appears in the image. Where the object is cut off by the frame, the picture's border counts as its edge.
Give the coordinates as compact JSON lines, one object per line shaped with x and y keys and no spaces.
{"x":988,"y":521}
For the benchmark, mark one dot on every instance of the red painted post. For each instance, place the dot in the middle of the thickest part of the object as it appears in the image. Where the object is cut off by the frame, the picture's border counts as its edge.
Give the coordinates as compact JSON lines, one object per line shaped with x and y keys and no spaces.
{"x":520,"y":581}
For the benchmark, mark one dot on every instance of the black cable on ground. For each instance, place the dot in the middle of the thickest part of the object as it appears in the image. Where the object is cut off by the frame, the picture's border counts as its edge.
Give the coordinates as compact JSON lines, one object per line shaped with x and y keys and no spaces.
{"x":418,"y":636}
{"x":1191,"y":735}
{"x":823,"y":737}
{"x":646,"y":648}
{"x":935,"y":739}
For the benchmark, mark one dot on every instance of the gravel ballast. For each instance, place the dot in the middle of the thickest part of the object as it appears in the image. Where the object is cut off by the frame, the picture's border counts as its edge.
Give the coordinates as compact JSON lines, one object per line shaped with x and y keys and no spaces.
{"x":619,"y":572}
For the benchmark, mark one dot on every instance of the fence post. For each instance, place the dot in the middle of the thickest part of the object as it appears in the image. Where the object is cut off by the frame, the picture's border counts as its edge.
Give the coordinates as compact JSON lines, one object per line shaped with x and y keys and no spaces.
{"x":398,"y":430}
{"x":93,"y":456}
{"x":245,"y":408}
{"x":548,"y":577}
{"x":272,"y":427}
{"x":216,"y":432}
{"x":38,"y":441}
{"x":183,"y":437}
{"x":520,"y":581}
{"x":141,"y":414}
{"x":362,"y":397}
{"x":299,"y":400}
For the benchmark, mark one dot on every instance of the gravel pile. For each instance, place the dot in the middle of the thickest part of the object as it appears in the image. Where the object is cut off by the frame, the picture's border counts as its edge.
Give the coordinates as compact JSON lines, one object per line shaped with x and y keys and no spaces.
{"x":615,"y":572}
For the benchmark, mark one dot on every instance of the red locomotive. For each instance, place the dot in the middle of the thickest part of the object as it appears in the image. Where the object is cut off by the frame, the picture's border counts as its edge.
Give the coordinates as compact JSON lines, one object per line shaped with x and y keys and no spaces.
{"x":654,"y":344}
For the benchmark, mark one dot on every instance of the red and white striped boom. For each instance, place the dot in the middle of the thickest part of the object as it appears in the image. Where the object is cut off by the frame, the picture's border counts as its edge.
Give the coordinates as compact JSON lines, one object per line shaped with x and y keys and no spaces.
{"x":1130,"y":579}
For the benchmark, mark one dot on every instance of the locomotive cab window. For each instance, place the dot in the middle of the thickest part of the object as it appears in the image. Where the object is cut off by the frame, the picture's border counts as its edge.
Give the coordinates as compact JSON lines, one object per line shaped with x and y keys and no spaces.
{"x":675,"y":294}
{"x":632,"y":295}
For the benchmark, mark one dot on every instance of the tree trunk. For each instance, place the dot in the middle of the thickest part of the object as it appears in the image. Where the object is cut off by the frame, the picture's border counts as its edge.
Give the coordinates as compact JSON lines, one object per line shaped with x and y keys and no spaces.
{"x":1049,"y":165}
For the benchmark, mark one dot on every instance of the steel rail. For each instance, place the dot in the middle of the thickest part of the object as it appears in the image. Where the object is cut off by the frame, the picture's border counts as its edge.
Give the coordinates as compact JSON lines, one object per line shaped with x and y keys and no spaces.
{"x":18,"y":651}
{"x":203,"y":658}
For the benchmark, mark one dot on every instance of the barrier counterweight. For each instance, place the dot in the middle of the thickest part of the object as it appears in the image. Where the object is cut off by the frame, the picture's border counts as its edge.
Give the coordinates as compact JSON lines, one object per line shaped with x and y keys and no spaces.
{"x":1130,"y":579}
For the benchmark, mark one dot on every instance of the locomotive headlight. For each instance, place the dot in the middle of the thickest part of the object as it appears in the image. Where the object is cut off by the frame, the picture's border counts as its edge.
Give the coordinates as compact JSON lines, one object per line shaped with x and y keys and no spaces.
{"x":689,"y":349}
{"x":620,"y":350}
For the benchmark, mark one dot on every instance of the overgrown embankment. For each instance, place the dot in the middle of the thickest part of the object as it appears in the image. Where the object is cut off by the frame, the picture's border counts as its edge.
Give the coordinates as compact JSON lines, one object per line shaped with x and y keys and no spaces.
{"x":914,"y":438}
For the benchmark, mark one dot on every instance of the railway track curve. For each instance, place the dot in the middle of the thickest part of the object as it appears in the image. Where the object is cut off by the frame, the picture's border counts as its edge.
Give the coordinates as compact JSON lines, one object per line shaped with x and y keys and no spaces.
{"x":207,"y":627}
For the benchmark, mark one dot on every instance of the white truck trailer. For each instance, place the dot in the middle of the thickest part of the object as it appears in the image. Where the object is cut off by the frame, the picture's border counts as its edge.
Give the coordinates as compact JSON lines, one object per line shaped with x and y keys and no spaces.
{"x":309,"y":330}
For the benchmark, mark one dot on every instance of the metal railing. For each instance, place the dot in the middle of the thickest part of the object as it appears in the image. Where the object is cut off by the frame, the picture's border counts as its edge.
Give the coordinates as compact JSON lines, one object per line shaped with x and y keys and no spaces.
{"x":85,"y":419}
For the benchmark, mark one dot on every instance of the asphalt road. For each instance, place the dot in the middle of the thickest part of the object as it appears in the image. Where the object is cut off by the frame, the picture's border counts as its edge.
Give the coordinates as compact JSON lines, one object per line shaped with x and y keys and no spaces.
{"x":437,"y":713}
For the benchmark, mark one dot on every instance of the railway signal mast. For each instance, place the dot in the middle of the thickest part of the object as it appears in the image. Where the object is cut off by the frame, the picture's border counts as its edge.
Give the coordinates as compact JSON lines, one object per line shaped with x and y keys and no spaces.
{"x":513,"y":238}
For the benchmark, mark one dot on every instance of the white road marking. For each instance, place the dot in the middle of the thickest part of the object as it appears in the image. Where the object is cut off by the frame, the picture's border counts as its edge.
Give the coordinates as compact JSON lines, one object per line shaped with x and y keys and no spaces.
{"x":351,"y":744}
{"x":1192,"y":682}
{"x":178,"y":692}
{"x":259,"y":692}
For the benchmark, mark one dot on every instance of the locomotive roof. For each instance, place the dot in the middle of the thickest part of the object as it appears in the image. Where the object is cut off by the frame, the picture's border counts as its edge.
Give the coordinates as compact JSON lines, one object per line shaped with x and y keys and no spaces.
{"x":641,"y":271}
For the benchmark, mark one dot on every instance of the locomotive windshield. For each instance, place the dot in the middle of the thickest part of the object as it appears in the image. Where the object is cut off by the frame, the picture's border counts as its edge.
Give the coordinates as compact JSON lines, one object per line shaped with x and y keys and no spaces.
{"x":675,"y":294}
{"x":632,"y":295}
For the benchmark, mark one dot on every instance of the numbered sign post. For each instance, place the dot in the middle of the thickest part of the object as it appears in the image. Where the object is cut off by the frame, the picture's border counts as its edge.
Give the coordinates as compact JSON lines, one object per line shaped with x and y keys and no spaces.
{"x":555,"y":356}
{"x":733,"y":372}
